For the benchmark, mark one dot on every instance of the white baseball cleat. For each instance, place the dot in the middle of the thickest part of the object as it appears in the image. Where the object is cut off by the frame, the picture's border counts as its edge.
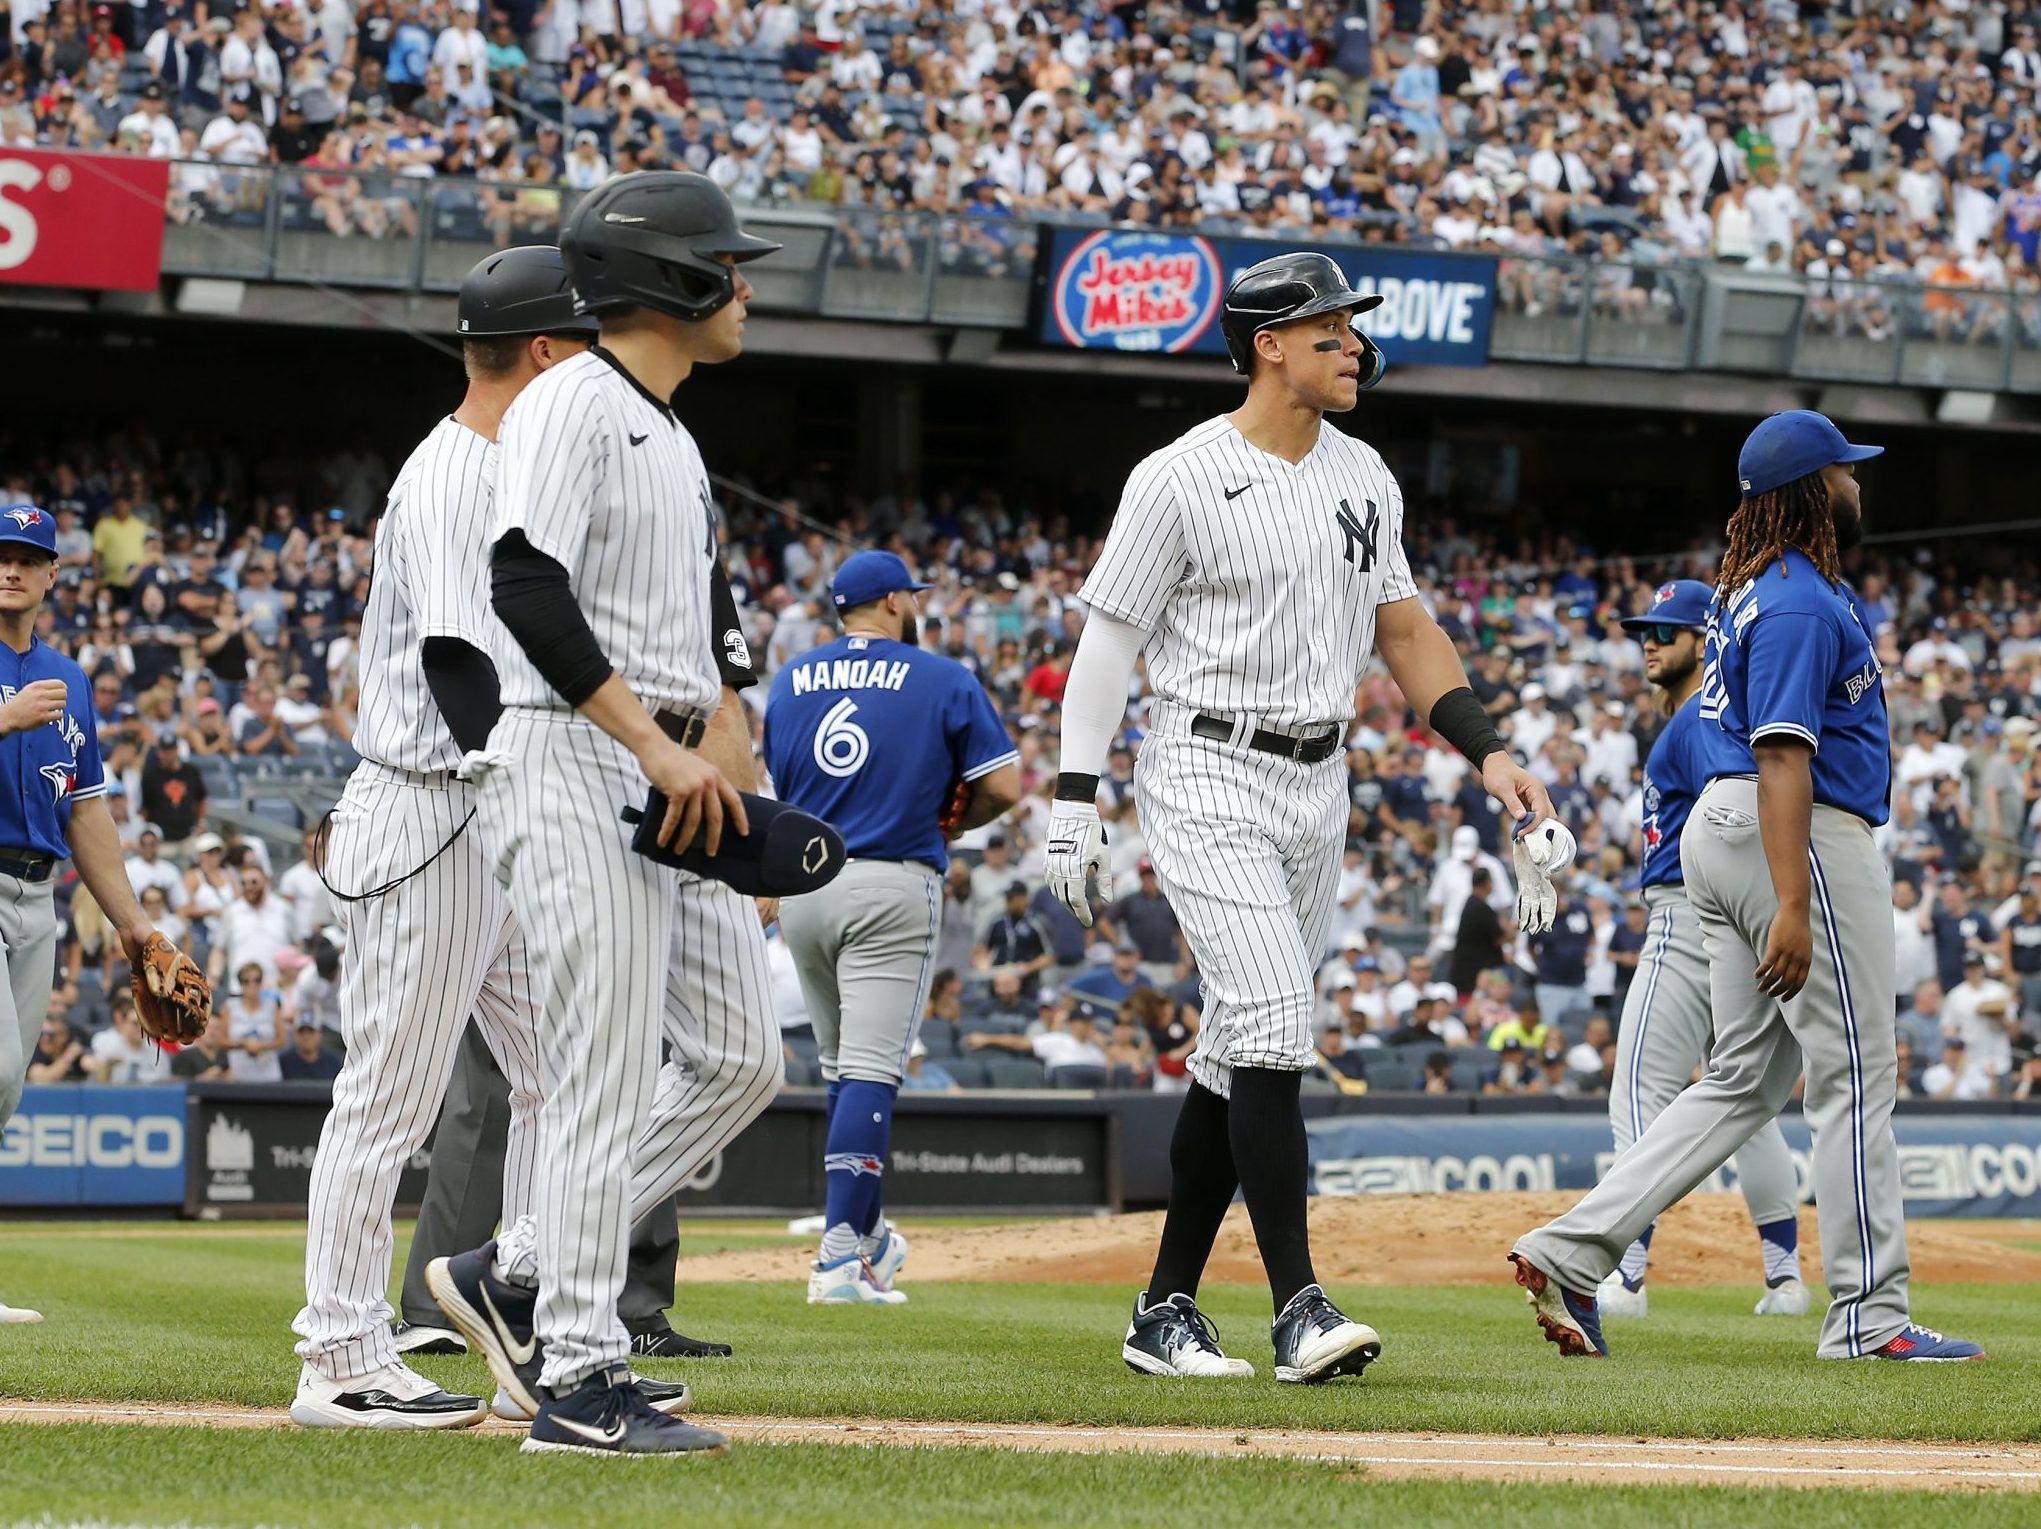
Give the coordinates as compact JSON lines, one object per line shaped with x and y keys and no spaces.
{"x":395,"y":1396}
{"x":849,"y":1282}
{"x":1174,"y":1338}
{"x":19,"y":1314}
{"x":1788,"y":1298}
{"x":890,"y":1259}
{"x":1616,"y":1299}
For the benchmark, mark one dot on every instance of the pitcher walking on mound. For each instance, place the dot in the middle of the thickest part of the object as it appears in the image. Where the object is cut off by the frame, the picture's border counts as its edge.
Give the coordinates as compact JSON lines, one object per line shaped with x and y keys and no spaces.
{"x":1258,"y":560}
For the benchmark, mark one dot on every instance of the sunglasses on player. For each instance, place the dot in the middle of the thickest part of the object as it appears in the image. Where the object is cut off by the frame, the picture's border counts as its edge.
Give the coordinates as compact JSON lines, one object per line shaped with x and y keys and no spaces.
{"x":1663,"y":635}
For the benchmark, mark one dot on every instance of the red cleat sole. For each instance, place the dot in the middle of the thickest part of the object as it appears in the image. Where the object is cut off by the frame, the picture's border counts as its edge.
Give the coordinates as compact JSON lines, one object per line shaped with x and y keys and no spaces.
{"x":1569,"y":1340}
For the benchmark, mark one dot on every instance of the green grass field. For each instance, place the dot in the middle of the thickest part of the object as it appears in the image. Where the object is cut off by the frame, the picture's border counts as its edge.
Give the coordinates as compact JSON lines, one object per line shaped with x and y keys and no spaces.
{"x":169,"y":1313}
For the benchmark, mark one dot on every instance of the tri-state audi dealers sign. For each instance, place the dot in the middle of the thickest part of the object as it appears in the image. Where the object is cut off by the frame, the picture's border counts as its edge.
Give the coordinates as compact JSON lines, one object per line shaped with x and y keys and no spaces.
{"x":81,"y":220}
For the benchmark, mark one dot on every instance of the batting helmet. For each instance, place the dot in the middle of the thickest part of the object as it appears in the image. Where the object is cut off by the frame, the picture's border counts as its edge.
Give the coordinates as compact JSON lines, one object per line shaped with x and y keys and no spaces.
{"x":520,"y":291}
{"x":1300,"y":285}
{"x":656,"y":239}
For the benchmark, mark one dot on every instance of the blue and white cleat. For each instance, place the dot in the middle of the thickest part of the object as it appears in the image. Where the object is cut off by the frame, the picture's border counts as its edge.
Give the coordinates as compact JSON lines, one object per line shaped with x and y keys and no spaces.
{"x":848,"y":1281}
{"x":1568,"y":1317}
{"x":1924,"y":1343}
{"x":1174,"y":1338}
{"x":890,"y":1259}
{"x":608,"y":1415}
{"x":1615,"y":1297}
{"x":495,"y":1316}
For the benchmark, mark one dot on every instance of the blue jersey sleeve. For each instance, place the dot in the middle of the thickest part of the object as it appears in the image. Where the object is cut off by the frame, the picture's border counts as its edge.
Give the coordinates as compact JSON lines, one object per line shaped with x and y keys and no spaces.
{"x":978,"y":740}
{"x":1789,"y":669}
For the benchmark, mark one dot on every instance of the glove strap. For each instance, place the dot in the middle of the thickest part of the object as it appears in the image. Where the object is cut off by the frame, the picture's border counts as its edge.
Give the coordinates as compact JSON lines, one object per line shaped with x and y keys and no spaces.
{"x":1457,"y":717}
{"x":1073,"y":787}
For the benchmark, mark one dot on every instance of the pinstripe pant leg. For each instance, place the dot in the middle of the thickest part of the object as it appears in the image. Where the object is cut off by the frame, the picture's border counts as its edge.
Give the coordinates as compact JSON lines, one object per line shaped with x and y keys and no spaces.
{"x":597,"y":919}
{"x":726,"y":1063}
{"x":507,"y":1018}
{"x":413,"y":962}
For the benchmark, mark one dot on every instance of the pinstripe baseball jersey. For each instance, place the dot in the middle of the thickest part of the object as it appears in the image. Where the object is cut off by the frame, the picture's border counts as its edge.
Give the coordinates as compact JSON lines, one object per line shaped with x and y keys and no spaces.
{"x":600,"y":477}
{"x":432,"y":580}
{"x":1257,"y":579}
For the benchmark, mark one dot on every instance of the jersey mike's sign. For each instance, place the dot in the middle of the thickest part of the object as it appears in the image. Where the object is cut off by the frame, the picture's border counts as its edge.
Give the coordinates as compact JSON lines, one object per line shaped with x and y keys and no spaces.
{"x":1122,"y":290}
{"x":81,"y":220}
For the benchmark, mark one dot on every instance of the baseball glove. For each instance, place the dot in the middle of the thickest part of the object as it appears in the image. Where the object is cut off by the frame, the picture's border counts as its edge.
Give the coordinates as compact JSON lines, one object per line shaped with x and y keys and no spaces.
{"x":959,"y":802}
{"x":172,"y":998}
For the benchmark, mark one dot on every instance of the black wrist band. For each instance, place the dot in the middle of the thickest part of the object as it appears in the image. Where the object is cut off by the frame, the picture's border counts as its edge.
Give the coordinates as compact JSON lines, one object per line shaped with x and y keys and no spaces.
{"x":1458,"y":718}
{"x":1073,"y":787}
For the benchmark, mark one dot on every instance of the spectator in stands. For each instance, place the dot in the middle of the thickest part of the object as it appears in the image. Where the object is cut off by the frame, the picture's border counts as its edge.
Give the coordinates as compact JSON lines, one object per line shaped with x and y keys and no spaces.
{"x":252,"y":928}
{"x":1921,"y":1021}
{"x":1597,"y":1045}
{"x":262,"y":731}
{"x":1561,"y":954}
{"x":1977,"y":1009}
{"x":1129,"y":1047}
{"x":1523,"y":1029}
{"x":147,"y":868}
{"x":256,"y":1033}
{"x":1014,"y":941}
{"x":121,"y":1053}
{"x":206,"y":1059}
{"x":59,"y":1055}
{"x":1478,"y":944}
{"x":173,"y":797}
{"x":1419,"y":984}
{"x":308,"y":1060}
{"x":1512,"y":1072}
{"x":926,"y":1077}
{"x":1438,"y":1073}
{"x":1144,"y":918}
{"x":1110,"y":985}
{"x":1955,"y":1076}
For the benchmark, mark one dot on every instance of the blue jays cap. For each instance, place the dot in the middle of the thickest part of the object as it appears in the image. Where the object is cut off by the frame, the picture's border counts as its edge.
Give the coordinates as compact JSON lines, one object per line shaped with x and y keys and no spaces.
{"x":868,"y":576}
{"x":1792,"y":445}
{"x":1683,"y":602}
{"x":26,"y":523}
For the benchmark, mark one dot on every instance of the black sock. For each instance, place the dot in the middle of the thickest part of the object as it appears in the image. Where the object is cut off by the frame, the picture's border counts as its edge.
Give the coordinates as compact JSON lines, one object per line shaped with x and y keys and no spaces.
{"x":1273,"y":1161}
{"x":1201,"y":1186}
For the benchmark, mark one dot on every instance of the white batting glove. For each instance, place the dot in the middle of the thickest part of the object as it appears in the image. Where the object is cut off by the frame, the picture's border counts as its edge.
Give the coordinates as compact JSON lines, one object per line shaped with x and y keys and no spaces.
{"x":1074,"y":853}
{"x":1537,"y":853}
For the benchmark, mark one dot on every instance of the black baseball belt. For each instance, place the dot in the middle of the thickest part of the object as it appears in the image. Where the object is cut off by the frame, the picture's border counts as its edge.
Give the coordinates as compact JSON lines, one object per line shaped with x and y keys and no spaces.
{"x":26,"y":864}
{"x":682,"y":728}
{"x":1310,"y":748}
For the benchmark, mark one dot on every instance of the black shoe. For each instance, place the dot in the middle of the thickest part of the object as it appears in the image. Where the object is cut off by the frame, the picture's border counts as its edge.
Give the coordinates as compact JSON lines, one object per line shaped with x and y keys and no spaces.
{"x":608,"y":1415}
{"x":495,"y":1317}
{"x":662,"y":1342}
{"x":427,"y":1338}
{"x":1315,"y":1341}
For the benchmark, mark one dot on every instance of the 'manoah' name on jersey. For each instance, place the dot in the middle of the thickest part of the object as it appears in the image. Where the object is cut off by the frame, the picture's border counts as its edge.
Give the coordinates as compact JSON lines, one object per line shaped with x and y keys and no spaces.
{"x":850,"y":674}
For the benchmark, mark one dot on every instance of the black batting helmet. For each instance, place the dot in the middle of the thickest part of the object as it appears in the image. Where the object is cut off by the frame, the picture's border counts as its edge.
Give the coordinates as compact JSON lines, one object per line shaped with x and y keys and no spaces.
{"x":520,"y":291}
{"x":656,"y":239}
{"x":1300,"y":285}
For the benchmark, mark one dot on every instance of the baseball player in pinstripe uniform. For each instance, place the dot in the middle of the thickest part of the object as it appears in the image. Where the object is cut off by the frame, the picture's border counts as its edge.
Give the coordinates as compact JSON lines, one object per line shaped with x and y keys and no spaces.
{"x":1258,"y":560}
{"x":1795,"y":907}
{"x":874,"y":735}
{"x":1667,"y":1022}
{"x":602,"y":562}
{"x":430,"y":937}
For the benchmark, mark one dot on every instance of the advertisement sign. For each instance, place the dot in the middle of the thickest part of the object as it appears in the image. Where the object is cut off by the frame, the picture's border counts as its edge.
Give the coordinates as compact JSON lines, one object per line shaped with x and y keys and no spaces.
{"x":252,"y":1150}
{"x":1115,"y":289}
{"x":1949,"y":1165}
{"x":81,"y":220}
{"x":85,"y":1144}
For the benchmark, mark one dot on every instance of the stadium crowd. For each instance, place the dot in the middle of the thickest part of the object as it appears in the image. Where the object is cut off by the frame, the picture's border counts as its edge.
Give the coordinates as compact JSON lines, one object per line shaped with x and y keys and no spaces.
{"x":1859,"y":143}
{"x":216,"y":603}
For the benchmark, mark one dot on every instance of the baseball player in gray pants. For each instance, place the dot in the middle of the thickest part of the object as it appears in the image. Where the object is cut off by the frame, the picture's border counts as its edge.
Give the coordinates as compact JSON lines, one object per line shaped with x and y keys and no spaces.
{"x":1795,"y":907}
{"x":1667,"y":1020}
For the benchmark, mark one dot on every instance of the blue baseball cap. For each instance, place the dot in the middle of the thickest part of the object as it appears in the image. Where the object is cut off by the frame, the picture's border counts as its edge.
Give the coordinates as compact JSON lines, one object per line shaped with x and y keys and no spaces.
{"x":868,"y":576}
{"x":1792,"y":445}
{"x":26,"y":523}
{"x":1683,"y":602}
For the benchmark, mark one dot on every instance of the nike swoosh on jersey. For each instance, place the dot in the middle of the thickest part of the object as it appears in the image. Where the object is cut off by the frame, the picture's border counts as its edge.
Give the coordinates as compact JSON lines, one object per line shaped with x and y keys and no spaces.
{"x":518,"y":1355}
{"x":1235,"y":493}
{"x":639,"y":440}
{"x":593,"y":1435}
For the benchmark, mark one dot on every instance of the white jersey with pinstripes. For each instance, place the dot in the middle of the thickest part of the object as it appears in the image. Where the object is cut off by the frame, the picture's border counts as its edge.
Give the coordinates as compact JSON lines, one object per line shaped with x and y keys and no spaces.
{"x":432,"y":569}
{"x":600,"y":477}
{"x":1257,"y":578}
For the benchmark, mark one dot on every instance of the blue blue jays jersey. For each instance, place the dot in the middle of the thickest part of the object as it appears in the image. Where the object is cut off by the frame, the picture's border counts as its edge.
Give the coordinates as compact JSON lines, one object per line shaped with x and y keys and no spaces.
{"x":869,"y":735}
{"x":47,"y":768}
{"x":1673,"y":778}
{"x":1789,"y":657}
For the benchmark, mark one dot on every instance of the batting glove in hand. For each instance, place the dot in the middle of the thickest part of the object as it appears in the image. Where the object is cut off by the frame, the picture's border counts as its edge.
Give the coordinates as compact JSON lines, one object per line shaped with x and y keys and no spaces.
{"x":1076,"y":850}
{"x":1539,"y":851}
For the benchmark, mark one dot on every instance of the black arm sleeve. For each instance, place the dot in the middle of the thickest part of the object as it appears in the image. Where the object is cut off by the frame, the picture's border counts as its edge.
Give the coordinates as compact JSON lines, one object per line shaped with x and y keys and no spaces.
{"x":533,"y":599}
{"x":733,"y":653}
{"x":463,"y":686}
{"x":1458,"y":717}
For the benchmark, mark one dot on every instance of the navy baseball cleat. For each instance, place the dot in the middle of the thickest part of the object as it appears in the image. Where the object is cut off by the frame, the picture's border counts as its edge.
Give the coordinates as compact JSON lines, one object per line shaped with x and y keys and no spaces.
{"x":1173,"y":1337}
{"x":1568,"y":1317}
{"x":1924,"y":1343}
{"x":1315,"y":1340}
{"x":495,"y":1317}
{"x":671,"y":1397}
{"x":658,"y":1340}
{"x":608,"y":1415}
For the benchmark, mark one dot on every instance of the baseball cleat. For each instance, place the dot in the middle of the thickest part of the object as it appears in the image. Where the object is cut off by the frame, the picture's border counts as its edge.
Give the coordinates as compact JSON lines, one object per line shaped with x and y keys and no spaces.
{"x":1568,"y":1317}
{"x":495,"y":1317}
{"x":1614,"y":1298}
{"x":660,"y":1341}
{"x":848,"y":1282}
{"x":608,"y":1415}
{"x":1315,"y":1340}
{"x":671,"y":1397}
{"x":17,"y":1314}
{"x":890,"y":1259}
{"x":1925,"y":1344}
{"x":418,"y":1338}
{"x":1788,"y":1298}
{"x":1174,"y":1338}
{"x":394,"y":1397}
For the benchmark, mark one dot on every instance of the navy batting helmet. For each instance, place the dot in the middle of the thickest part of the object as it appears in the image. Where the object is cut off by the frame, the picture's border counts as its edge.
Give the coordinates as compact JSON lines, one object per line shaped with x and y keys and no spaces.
{"x":656,"y":239}
{"x":1300,"y":285}
{"x":520,"y":291}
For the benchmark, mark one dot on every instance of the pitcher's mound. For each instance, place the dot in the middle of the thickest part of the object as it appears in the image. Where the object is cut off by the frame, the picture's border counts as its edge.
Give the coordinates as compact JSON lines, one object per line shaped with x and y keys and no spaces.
{"x":1453,"y":1239}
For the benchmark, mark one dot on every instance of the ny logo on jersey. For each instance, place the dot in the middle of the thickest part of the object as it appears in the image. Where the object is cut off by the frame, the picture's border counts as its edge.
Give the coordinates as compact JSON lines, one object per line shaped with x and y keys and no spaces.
{"x":1358,"y":535}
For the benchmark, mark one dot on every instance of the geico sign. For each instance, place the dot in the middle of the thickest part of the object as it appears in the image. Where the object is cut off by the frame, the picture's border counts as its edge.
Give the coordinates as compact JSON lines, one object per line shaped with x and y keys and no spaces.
{"x":17,"y":223}
{"x":93,"y":1141}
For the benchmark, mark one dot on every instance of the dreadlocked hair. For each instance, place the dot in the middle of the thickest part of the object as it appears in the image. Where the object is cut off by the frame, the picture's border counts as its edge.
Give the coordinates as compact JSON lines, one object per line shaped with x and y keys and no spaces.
{"x":1795,"y":514}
